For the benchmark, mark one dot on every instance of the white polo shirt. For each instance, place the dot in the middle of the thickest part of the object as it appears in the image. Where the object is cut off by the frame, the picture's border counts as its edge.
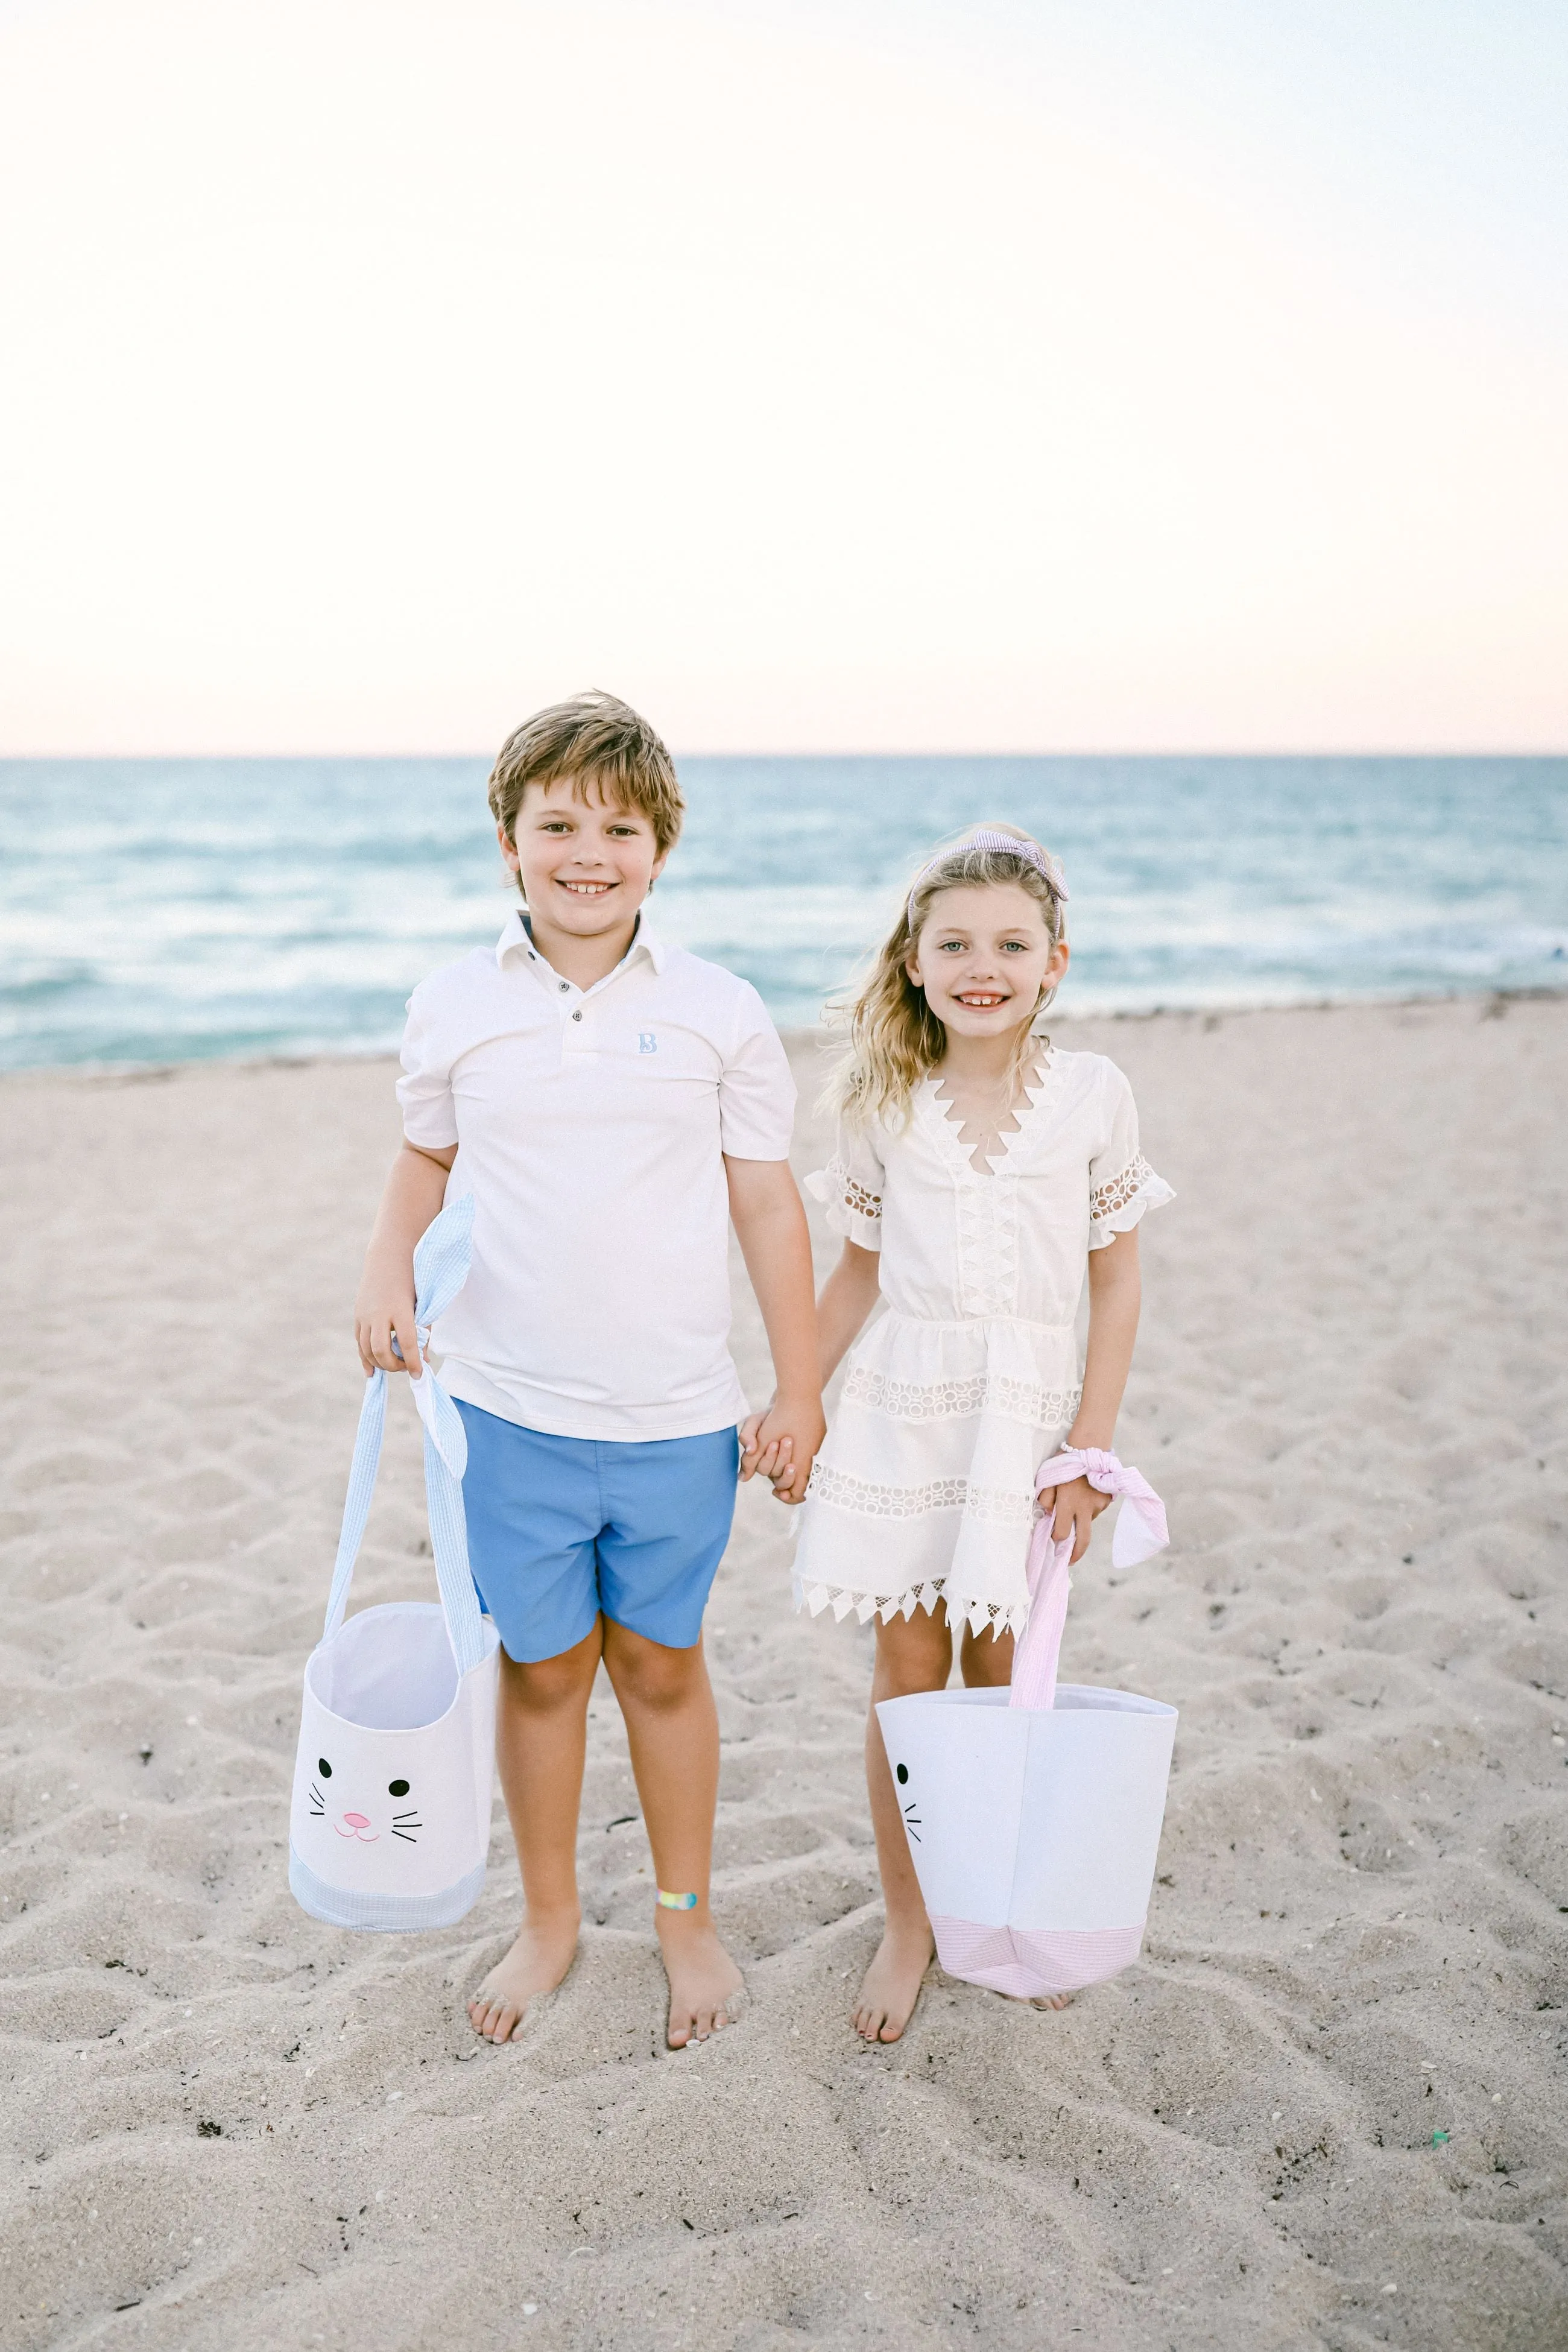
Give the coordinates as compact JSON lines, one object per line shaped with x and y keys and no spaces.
{"x":590,"y":1128}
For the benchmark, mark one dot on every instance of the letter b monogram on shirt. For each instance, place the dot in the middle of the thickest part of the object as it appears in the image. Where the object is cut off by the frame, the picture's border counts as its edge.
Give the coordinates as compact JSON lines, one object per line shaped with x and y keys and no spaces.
{"x":647,"y":1042}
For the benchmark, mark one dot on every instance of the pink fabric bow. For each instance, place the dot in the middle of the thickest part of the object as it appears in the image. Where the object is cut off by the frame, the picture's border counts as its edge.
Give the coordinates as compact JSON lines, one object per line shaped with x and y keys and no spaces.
{"x":1140,"y":1531}
{"x":1141,"y":1528}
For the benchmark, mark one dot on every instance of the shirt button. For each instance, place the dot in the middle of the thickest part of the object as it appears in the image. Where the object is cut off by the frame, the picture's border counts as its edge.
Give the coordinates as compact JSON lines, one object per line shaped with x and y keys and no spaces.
{"x":576,"y":1017}
{"x":563,"y":987}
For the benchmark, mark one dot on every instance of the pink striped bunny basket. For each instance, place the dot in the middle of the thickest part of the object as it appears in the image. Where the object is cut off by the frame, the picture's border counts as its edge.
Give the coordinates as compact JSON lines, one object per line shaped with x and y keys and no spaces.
{"x":1034,"y":1814}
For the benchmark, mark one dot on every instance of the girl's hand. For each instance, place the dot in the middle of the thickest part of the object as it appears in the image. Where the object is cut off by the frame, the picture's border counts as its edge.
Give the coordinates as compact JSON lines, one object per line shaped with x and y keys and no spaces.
{"x":1075,"y":1509}
{"x":378,"y":1320}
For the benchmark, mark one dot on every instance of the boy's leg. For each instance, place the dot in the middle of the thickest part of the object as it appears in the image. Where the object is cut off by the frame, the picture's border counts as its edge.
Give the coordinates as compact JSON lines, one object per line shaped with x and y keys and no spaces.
{"x":672,"y":1728}
{"x":668,"y":1507}
{"x":533,"y":1506}
{"x":913,"y":1653}
{"x":541,"y":1726}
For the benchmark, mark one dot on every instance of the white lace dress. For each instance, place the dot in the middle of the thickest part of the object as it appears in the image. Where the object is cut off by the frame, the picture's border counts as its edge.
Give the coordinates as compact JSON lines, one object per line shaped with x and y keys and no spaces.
{"x":925,"y":1487}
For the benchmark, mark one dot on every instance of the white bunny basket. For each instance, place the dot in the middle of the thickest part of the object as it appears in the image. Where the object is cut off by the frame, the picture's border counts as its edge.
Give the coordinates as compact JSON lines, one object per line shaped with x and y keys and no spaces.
{"x":1034,"y":1814}
{"x":390,"y":1818}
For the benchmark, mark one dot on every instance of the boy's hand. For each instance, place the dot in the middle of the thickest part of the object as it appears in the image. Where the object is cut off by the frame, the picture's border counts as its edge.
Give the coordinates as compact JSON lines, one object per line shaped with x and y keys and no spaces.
{"x":781,"y":1444}
{"x":1076,"y":1506}
{"x":378,"y":1321}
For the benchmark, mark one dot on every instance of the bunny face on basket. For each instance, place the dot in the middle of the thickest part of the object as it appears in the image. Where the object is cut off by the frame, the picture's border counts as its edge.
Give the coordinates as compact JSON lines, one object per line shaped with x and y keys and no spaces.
{"x":364,"y":1815}
{"x":908,"y":1804}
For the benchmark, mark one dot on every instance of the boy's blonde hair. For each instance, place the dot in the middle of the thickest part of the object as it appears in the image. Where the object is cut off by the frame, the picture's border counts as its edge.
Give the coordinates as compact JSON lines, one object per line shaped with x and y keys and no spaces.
{"x":593,"y":739}
{"x":894,"y":1038}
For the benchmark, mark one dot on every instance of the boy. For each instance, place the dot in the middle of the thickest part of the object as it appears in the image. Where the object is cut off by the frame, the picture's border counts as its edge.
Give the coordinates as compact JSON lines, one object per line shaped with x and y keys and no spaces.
{"x":614,"y":1100}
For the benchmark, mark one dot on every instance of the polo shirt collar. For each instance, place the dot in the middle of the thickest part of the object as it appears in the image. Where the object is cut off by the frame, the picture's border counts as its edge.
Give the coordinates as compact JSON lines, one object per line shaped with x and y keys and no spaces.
{"x":516,"y":938}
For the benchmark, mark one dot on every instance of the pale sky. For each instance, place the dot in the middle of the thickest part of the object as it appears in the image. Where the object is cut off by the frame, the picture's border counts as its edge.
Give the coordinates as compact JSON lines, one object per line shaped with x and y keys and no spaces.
{"x":998,"y":375}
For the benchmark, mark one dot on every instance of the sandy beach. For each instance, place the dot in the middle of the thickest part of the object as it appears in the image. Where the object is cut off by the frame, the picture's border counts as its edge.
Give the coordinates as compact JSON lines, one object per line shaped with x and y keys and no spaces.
{"x":1326,"y":2109}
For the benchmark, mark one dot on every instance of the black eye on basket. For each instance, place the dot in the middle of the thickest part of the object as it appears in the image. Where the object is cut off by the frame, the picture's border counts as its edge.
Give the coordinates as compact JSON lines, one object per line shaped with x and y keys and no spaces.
{"x":324,"y":1767}
{"x":901,"y":1772}
{"x":397,"y":1788}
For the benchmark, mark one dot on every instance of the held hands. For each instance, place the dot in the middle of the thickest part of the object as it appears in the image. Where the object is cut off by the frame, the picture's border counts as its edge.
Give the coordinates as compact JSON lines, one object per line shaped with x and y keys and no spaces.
{"x":781,"y":1444}
{"x":1073,"y":1510}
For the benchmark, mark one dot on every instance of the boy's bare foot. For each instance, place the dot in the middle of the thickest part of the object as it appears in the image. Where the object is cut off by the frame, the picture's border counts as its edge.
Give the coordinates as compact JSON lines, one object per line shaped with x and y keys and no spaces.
{"x":892,"y":1985}
{"x":535,"y":1964}
{"x":1051,"y":2000}
{"x":704,"y":1983}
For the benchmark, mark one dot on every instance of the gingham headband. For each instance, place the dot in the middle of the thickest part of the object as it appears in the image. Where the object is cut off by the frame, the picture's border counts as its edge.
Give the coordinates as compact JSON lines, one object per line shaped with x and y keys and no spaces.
{"x":985,"y":836}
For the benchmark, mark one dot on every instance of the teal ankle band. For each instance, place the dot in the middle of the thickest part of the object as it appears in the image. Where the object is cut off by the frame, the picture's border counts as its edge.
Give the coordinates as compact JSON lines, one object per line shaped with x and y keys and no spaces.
{"x":675,"y":1902}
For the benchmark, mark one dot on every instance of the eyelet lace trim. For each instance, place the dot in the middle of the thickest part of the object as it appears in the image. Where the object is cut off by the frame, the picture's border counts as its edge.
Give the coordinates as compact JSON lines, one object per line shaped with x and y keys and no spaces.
{"x":997,"y":1392}
{"x":835,"y":1183}
{"x":1121,"y":1190}
{"x":981,"y":1616}
{"x":997,"y":1506}
{"x":855,"y":1197}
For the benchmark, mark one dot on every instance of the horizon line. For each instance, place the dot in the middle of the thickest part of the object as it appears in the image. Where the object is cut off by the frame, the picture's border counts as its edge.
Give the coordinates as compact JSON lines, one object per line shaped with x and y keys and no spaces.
{"x":1174,"y":751}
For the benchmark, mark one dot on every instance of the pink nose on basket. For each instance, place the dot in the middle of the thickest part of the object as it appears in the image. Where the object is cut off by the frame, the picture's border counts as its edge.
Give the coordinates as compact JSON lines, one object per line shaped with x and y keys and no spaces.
{"x":357,"y":1820}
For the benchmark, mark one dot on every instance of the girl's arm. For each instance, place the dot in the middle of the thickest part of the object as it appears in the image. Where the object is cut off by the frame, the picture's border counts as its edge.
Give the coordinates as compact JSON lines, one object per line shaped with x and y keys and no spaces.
{"x":1115,"y":1294}
{"x":414,"y":1191}
{"x":847,"y":1298}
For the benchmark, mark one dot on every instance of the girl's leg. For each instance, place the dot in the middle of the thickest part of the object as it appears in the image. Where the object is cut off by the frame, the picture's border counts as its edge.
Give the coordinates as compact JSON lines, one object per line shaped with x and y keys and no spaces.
{"x":913,"y":1653}
{"x":672,"y":1728}
{"x":541,"y":1721}
{"x":985,"y":1659}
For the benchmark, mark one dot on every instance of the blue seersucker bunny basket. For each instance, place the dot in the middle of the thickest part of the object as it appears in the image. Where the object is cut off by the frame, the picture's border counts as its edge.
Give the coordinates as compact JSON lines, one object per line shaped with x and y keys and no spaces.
{"x":390,"y":1823}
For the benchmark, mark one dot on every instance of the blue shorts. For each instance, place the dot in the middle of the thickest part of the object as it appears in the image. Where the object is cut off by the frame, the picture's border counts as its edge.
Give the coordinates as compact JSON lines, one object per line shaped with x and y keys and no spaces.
{"x":563,"y":1528}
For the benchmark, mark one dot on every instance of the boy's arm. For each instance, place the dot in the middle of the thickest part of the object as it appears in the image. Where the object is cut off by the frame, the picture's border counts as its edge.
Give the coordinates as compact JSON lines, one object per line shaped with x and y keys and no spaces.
{"x":1115,"y":1295}
{"x":769,"y":1223}
{"x":414,"y":1191}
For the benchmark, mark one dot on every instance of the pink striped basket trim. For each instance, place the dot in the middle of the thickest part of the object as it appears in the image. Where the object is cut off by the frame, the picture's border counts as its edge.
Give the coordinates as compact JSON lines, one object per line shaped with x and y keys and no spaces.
{"x":1028,"y":1961}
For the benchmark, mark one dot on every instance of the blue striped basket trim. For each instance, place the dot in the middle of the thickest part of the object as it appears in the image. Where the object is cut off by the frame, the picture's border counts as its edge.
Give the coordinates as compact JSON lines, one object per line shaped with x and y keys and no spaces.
{"x":382,"y":1914}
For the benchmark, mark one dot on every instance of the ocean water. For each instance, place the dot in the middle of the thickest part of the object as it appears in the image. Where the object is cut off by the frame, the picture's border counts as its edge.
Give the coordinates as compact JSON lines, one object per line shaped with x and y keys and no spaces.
{"x":164,"y":910}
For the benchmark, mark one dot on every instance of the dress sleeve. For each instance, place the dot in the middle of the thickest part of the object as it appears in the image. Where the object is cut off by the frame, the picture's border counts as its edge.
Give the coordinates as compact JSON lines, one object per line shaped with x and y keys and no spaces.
{"x":756,"y":1087}
{"x":424,"y":1089}
{"x":1122,"y":1184}
{"x":850,"y":1188}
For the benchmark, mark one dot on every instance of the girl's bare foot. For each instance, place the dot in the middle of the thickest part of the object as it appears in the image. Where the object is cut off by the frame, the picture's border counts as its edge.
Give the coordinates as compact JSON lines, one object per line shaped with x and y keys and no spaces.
{"x":892,"y":1985}
{"x":1050,"y":2001}
{"x":704,"y":1983}
{"x":535,"y":1964}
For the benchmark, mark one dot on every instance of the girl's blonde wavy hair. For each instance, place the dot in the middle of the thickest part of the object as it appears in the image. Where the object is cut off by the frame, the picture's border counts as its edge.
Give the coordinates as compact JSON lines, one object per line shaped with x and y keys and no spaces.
{"x":892,"y":1039}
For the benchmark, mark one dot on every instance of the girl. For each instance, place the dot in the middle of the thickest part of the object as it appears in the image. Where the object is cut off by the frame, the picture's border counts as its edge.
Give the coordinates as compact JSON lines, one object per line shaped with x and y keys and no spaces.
{"x":979,"y":1171}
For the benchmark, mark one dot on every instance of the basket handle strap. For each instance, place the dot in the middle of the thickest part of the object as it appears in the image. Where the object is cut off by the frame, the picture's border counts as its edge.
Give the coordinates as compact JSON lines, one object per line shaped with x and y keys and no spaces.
{"x":356,"y":1502}
{"x":1039,"y":1644}
{"x":440,"y":1268}
{"x":1140,"y":1531}
{"x":446,"y":1459}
